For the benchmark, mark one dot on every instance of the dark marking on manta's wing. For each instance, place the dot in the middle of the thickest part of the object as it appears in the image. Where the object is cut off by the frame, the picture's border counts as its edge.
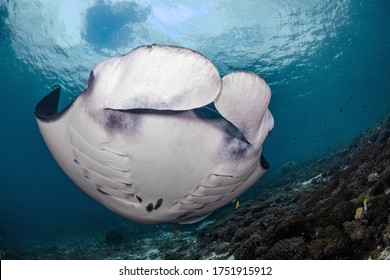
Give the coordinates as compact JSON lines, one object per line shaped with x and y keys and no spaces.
{"x":47,"y":109}
{"x":139,"y":198}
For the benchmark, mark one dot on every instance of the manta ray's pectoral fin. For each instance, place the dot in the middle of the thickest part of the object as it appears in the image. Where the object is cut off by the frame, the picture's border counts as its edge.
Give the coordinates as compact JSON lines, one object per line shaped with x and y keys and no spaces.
{"x":243,"y":101}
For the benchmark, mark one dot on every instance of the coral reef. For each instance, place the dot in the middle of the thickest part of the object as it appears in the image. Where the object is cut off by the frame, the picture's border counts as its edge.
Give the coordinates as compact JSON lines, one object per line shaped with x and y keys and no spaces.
{"x":291,"y":249}
{"x":114,"y":237}
{"x":309,"y":213}
{"x":132,"y":246}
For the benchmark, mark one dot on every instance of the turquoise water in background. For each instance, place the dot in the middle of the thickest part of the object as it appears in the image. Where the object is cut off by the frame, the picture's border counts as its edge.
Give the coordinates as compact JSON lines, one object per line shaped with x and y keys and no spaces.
{"x":326,"y":61}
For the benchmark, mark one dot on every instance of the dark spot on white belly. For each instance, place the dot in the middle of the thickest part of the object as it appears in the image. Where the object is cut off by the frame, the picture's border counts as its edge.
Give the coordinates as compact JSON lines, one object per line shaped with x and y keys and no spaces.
{"x":236,"y":148}
{"x":149,"y":208}
{"x":120,"y":121}
{"x":158,"y":204}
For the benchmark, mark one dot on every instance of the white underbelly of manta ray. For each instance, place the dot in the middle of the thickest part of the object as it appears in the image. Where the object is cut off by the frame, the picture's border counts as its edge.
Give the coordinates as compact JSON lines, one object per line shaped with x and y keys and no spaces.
{"x":141,"y":141}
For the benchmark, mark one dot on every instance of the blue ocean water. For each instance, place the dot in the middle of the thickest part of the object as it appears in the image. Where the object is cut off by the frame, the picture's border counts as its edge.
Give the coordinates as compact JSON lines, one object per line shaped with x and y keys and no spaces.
{"x":326,"y":61}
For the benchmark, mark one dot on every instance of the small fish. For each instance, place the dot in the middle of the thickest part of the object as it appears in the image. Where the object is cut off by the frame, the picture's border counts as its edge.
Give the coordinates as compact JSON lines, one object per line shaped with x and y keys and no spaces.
{"x":236,"y":203}
{"x":359,"y":213}
{"x":365,"y":204}
{"x":176,"y":230}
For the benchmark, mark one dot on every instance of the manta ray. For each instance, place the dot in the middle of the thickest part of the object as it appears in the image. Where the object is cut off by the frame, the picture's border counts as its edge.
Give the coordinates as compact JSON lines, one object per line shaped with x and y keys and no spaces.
{"x":158,"y":136}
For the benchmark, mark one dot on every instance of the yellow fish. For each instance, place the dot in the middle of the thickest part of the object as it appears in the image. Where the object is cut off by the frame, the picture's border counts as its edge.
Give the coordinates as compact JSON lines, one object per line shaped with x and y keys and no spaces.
{"x":175,"y":230}
{"x":359,"y":213}
{"x":236,"y":203}
{"x":365,"y":204}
